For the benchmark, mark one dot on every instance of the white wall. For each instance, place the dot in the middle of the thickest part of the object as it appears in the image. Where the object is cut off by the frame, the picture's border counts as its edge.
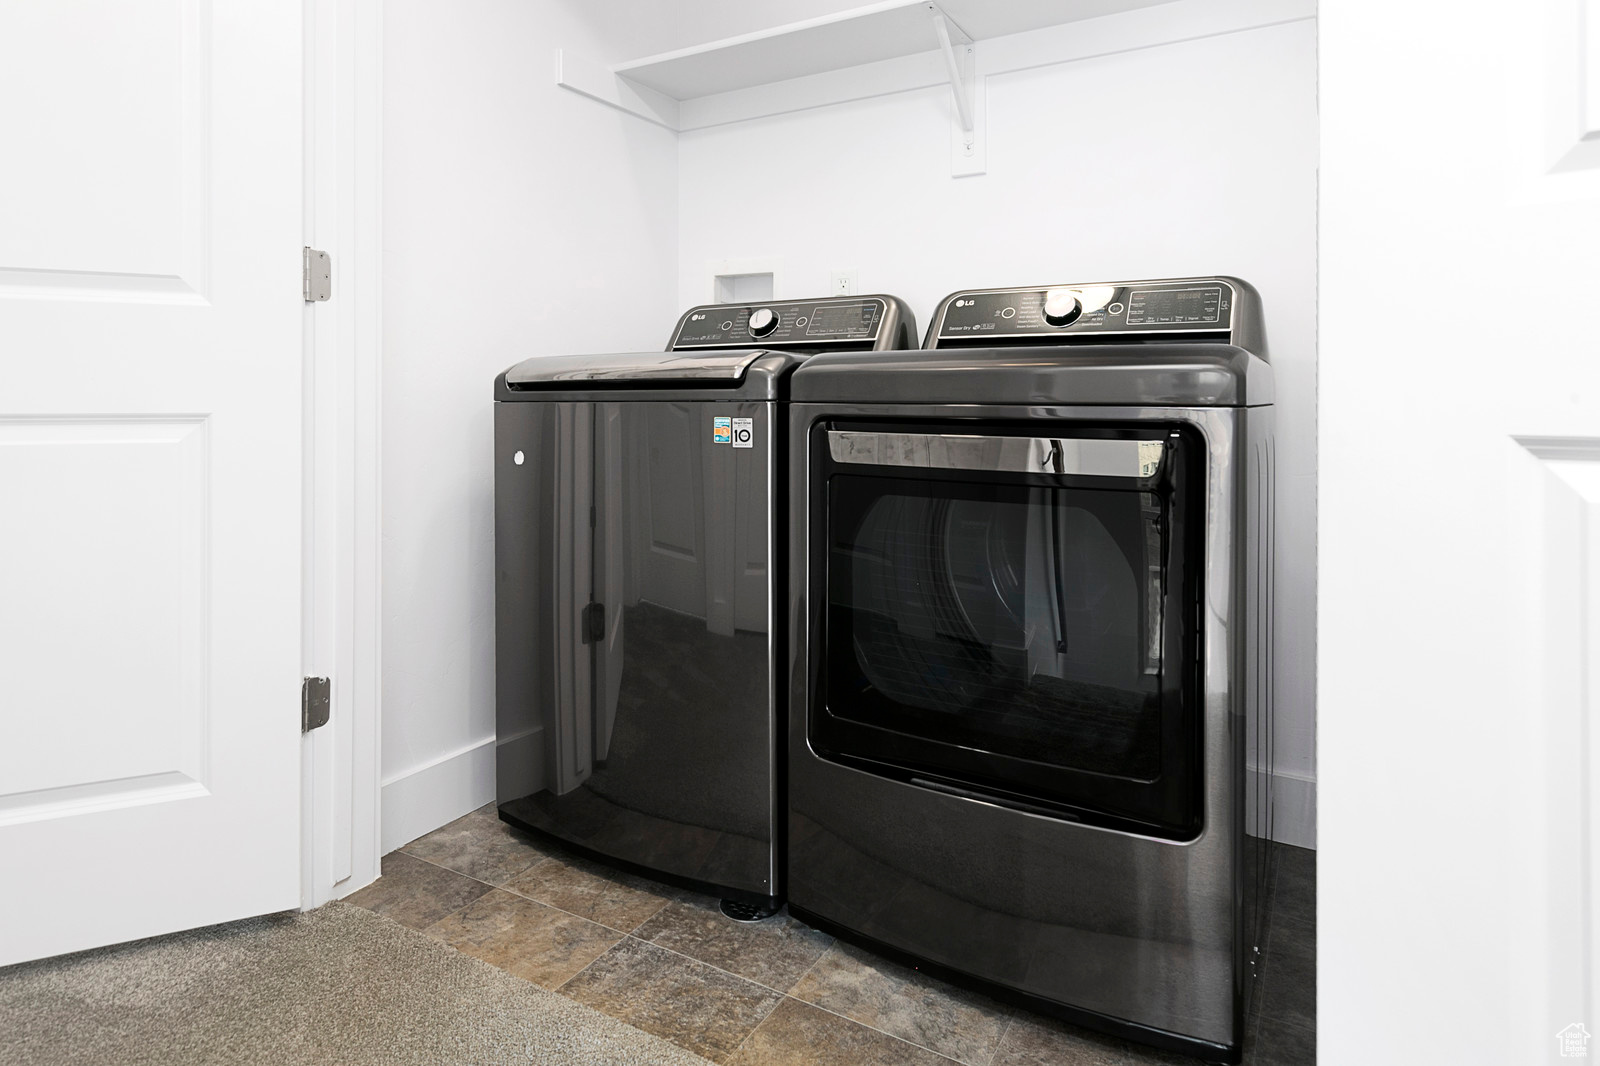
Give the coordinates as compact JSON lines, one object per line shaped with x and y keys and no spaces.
{"x":512,"y":210}
{"x":1190,"y":158}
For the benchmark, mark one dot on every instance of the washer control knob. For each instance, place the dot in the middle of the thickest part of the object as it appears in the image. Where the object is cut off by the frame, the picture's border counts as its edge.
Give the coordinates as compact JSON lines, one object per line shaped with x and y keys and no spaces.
{"x":1061,"y":306}
{"x":763,"y":321}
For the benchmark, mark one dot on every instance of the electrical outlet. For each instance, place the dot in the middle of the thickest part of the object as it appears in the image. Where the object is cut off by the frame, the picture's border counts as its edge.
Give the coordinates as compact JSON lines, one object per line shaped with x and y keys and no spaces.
{"x":843,"y":282}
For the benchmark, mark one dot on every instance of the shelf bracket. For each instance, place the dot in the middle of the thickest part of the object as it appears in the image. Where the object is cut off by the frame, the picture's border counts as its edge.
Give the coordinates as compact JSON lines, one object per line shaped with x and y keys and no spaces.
{"x":959,"y":67}
{"x":967,"y":154}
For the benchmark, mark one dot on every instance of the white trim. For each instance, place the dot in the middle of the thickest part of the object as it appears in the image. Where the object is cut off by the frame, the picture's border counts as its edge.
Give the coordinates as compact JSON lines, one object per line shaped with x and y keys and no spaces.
{"x":339,"y":762}
{"x":1589,"y":71}
{"x":421,"y":799}
{"x":1294,"y":805}
{"x":598,"y":83}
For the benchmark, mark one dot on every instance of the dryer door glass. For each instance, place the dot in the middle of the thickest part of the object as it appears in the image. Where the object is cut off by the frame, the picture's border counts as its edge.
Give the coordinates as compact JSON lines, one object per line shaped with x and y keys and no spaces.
{"x":1021,"y":635}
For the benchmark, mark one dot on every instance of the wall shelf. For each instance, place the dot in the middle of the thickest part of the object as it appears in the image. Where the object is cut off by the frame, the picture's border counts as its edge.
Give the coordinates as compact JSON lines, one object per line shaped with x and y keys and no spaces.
{"x":852,"y":38}
{"x":834,"y":42}
{"x":896,"y":46}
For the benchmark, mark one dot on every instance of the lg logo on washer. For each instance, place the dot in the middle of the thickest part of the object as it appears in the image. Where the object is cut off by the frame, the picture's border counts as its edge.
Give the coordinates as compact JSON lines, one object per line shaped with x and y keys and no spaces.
{"x":740,"y":432}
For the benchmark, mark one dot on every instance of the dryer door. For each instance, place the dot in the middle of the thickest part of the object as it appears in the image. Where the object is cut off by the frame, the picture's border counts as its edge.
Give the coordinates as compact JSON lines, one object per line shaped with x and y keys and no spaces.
{"x":1013,"y":614}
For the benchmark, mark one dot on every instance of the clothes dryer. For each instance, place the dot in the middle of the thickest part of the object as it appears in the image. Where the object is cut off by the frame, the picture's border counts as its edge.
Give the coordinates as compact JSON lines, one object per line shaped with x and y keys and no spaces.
{"x":640,"y":587}
{"x":1032,"y":633}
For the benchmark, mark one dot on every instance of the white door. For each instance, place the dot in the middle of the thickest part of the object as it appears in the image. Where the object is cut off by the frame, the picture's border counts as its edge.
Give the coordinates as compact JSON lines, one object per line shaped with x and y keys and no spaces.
{"x":150,"y":467}
{"x":1459,"y":630}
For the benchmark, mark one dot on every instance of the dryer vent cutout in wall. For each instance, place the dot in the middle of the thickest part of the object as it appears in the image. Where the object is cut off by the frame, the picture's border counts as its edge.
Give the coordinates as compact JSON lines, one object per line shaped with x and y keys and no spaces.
{"x":742,"y":288}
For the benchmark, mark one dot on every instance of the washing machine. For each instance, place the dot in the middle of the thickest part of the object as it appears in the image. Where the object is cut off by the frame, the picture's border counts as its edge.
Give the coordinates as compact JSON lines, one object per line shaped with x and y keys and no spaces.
{"x":1031,"y":645}
{"x":640,"y":584}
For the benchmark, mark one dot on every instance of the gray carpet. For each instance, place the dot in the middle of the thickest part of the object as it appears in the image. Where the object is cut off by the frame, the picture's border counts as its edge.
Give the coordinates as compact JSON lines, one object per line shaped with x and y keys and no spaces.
{"x":339,"y":985}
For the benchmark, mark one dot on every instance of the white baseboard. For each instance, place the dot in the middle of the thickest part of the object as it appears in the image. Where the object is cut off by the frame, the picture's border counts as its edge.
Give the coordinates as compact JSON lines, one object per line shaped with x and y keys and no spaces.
{"x":1294,"y":806}
{"x":422,"y":799}
{"x":425,"y":797}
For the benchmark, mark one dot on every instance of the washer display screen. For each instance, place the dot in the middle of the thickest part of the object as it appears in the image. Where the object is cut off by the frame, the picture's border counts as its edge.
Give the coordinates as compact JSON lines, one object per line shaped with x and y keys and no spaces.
{"x":835,"y":320}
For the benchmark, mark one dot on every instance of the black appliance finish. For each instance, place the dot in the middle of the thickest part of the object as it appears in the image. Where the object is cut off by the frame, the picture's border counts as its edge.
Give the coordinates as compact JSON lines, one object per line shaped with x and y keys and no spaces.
{"x":637,"y":556}
{"x":1031,"y":643}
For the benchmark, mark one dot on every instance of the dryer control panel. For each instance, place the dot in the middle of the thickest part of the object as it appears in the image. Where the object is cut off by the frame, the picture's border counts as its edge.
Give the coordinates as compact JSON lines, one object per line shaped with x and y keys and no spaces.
{"x":1201,"y":308}
{"x":857,"y":321}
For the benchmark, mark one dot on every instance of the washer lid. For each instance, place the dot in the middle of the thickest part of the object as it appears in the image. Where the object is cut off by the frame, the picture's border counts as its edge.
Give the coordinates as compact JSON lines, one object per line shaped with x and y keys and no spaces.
{"x":704,"y":368}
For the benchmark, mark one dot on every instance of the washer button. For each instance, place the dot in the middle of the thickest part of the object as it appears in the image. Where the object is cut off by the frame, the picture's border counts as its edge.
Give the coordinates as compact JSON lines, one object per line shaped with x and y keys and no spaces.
{"x":1010,"y":312}
{"x":1115,"y":309}
{"x":763,"y":321}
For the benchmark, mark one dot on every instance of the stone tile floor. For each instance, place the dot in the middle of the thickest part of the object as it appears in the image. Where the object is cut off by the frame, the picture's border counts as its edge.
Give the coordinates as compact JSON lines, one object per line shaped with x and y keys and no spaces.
{"x":668,"y":962}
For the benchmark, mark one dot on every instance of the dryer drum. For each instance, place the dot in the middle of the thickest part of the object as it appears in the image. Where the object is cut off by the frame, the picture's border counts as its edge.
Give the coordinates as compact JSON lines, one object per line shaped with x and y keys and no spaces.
{"x":1022,"y":632}
{"x":1023,"y":626}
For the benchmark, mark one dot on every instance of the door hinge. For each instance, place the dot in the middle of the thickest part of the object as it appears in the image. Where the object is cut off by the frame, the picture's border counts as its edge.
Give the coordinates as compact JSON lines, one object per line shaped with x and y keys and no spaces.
{"x":594,"y":623}
{"x":315,"y":698}
{"x":318,"y":276}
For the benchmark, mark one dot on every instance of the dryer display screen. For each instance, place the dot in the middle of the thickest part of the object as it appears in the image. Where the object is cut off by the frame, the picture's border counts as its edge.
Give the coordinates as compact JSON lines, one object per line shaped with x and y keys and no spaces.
{"x":1018,"y":316}
{"x":1153,"y":307}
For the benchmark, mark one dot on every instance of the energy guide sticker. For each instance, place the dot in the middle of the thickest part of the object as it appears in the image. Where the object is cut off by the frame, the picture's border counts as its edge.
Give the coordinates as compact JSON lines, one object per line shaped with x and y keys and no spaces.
{"x":722,"y":430}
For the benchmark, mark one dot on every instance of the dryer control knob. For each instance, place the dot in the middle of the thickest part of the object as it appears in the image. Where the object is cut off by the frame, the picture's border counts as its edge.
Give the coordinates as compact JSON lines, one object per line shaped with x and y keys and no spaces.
{"x":763,"y":321}
{"x":1061,"y":306}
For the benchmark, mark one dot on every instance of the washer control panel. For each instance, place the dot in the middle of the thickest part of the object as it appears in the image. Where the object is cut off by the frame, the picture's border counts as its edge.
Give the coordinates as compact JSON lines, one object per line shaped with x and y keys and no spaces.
{"x":1070,"y":311}
{"x":801,"y":324}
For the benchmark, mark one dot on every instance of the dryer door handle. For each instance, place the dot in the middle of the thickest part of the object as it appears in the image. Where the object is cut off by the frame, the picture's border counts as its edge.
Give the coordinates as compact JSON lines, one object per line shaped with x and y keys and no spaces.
{"x":1090,"y":456}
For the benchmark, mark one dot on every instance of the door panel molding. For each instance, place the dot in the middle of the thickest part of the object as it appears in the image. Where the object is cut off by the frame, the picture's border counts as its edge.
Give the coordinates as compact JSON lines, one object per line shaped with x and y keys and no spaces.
{"x":119,"y":563}
{"x":95,"y":796}
{"x":1555,"y":589}
{"x":138,"y":158}
{"x":88,"y":285}
{"x":1559,"y":109}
